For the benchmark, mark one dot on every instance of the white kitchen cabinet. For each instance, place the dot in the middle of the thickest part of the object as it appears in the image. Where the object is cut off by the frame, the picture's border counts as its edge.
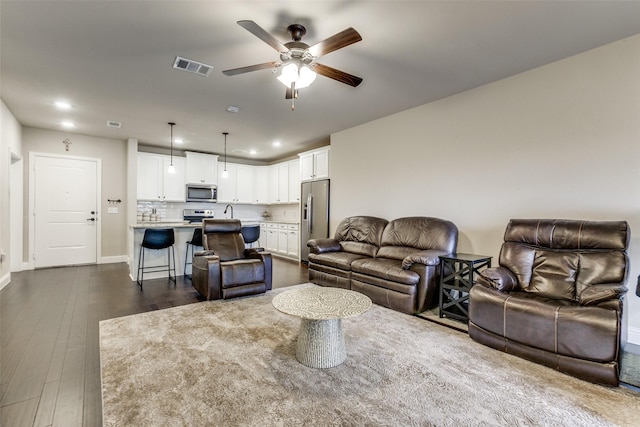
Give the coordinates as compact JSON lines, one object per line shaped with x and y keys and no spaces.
{"x":271,"y":241}
{"x":202,"y":168}
{"x":154,"y":182}
{"x":237,"y":187}
{"x":283,"y":238}
{"x":261,"y":185}
{"x":293,"y":241}
{"x":279,"y":183}
{"x":314,"y":165}
{"x":294,"y":181}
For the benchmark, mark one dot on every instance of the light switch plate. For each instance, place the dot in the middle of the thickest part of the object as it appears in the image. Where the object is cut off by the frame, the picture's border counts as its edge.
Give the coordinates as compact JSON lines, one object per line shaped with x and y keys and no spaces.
{"x":112,"y":210}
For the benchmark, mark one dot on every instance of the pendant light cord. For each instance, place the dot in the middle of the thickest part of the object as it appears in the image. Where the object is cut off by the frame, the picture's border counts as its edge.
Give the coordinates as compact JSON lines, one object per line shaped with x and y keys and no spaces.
{"x":225,"y":150}
{"x":171,"y":142}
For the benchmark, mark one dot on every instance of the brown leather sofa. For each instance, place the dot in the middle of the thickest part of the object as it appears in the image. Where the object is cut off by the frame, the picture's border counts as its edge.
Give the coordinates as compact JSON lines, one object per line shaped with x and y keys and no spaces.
{"x":225,"y":269}
{"x":395,"y":263}
{"x":556,"y":297}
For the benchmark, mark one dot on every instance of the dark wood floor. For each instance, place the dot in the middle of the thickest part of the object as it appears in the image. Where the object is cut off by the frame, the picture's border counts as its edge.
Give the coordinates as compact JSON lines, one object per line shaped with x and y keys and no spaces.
{"x":50,"y":360}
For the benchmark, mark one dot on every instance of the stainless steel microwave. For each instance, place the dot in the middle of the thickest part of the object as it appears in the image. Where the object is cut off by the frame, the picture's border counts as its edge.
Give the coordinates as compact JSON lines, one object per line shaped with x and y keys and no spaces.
{"x":202,"y":193}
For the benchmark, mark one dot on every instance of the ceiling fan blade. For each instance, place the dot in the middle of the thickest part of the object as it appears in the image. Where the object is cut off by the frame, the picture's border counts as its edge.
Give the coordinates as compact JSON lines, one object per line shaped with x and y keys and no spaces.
{"x":335,"y":42}
{"x":338,"y":75}
{"x":262,"y":34}
{"x":256,"y":67}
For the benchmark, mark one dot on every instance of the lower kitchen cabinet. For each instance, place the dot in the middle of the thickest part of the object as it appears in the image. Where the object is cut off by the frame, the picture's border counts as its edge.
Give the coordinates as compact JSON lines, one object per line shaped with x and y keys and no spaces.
{"x":281,"y":239}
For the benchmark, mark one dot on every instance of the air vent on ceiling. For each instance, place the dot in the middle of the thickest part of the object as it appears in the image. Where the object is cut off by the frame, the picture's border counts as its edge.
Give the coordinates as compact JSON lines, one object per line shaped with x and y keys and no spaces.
{"x":114,"y":124}
{"x":192,"y":66}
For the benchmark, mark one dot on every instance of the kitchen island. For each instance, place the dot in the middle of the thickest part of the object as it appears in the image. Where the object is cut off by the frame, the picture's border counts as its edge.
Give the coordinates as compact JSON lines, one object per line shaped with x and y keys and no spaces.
{"x":183,"y":231}
{"x":278,"y":237}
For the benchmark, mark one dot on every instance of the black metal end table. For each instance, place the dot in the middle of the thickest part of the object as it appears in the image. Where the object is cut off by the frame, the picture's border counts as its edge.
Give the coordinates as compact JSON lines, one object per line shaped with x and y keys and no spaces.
{"x":457,"y":276}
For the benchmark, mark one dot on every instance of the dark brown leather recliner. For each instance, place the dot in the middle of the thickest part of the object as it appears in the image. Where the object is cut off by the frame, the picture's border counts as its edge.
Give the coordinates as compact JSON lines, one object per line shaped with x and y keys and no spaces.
{"x":225,"y":269}
{"x":556,"y":297}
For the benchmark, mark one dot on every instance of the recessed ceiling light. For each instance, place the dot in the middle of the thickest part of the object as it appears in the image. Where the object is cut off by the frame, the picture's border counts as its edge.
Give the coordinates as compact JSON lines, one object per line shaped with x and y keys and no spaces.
{"x":253,"y":152}
{"x":277,"y":143}
{"x":178,"y":141}
{"x":233,"y":109}
{"x":63,"y":105}
{"x":67,"y":124}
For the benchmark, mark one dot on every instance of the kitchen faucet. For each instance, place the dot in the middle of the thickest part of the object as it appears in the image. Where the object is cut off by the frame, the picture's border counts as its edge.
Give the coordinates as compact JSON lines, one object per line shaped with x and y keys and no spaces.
{"x":227,"y":207}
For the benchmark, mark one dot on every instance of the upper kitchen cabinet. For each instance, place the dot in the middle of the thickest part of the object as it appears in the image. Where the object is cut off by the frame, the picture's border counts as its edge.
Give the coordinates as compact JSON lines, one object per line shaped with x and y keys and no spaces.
{"x":294,"y":181}
{"x":238,"y":186}
{"x":314,"y":165}
{"x":202,"y":168}
{"x":279,"y":183}
{"x":154,"y":180}
{"x":261,"y":185}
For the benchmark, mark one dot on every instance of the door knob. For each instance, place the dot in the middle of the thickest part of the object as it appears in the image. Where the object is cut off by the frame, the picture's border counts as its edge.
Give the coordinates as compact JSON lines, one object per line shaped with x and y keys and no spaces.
{"x":93,"y":212}
{"x":91,"y":219}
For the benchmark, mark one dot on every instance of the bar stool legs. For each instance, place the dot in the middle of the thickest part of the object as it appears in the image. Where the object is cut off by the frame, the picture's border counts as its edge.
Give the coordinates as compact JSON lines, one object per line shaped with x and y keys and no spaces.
{"x":157,"y":239}
{"x":196,"y":240}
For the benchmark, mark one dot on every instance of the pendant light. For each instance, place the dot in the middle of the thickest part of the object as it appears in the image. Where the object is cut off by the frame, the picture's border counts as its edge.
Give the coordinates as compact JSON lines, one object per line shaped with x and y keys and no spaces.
{"x":225,"y":174}
{"x":172,"y":169}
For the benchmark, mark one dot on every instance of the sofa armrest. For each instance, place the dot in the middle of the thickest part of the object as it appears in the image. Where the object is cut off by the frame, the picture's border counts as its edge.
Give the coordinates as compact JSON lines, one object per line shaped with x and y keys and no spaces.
{"x":428,"y":257}
{"x":595,"y":294}
{"x":500,"y":278}
{"x":319,"y":246}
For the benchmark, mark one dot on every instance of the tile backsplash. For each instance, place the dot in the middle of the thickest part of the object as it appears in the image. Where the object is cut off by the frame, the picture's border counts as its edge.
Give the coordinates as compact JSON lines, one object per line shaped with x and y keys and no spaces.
{"x":173,"y":211}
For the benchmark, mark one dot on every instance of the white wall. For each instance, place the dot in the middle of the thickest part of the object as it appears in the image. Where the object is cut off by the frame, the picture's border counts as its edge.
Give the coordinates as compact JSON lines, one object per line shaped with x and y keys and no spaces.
{"x":559,"y":141}
{"x":10,"y":146}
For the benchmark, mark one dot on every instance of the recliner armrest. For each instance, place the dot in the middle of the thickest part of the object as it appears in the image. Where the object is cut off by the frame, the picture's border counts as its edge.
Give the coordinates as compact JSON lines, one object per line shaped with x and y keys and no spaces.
{"x":595,"y":294}
{"x":500,"y":278}
{"x":319,"y":246}
{"x":428,"y":257}
{"x":204,"y":253}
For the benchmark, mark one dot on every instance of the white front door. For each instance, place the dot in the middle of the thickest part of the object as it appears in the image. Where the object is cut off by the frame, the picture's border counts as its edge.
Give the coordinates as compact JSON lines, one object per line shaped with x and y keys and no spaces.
{"x":65,"y":211}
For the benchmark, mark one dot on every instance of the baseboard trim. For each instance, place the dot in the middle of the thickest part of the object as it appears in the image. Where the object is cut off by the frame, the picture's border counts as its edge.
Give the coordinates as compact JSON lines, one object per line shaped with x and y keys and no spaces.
{"x":5,"y":280}
{"x":633,"y":335}
{"x":113,"y":259}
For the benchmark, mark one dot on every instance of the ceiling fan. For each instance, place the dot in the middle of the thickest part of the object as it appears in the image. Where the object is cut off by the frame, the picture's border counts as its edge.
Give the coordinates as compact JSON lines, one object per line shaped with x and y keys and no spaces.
{"x":297,"y":58}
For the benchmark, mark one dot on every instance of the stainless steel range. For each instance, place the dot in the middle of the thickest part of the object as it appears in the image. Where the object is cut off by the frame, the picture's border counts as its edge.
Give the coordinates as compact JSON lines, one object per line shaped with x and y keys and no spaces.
{"x":197,"y":215}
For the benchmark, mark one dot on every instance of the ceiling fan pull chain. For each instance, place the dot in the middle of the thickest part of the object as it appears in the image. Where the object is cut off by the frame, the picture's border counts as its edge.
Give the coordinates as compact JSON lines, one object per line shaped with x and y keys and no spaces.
{"x":293,"y":96}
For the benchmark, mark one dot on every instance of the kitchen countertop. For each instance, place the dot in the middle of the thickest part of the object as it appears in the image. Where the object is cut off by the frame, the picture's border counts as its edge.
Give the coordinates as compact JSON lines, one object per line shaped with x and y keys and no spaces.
{"x":186,"y":224}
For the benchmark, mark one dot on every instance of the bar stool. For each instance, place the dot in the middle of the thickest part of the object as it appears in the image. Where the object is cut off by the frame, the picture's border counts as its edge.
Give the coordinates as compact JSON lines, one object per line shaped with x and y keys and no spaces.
{"x":196,"y":240}
{"x":156,"y":239}
{"x":250,"y":234}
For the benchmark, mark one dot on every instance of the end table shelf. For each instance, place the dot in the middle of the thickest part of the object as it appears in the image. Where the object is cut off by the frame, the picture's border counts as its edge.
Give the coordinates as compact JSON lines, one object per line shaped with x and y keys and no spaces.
{"x":457,"y":276}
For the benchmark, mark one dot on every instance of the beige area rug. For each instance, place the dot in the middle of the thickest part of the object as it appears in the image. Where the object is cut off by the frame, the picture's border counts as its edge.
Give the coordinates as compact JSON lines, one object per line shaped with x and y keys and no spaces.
{"x":232,"y":363}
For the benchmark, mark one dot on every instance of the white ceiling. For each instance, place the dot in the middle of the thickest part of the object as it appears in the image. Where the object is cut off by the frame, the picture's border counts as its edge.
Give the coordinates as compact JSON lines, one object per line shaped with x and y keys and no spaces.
{"x":112,"y":60}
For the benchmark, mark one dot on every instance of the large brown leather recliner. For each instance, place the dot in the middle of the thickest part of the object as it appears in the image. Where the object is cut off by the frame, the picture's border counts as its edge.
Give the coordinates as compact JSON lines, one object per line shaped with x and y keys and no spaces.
{"x":225,"y":269}
{"x":556,"y":297}
{"x":395,"y":263}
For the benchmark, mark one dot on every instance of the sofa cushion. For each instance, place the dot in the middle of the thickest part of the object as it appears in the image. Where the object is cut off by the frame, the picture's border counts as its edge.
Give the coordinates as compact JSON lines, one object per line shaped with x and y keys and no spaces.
{"x":341,"y":260}
{"x":561,"y":273}
{"x":364,"y":229}
{"x":419,"y":233}
{"x":387,"y":269}
{"x":359,"y":248}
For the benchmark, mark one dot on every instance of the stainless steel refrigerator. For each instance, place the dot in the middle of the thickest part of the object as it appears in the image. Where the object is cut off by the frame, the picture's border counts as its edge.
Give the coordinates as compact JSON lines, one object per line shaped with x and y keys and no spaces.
{"x":314,"y":214}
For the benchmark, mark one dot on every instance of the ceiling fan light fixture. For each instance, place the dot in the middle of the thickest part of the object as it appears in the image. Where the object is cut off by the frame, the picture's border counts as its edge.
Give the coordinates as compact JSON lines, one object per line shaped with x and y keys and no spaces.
{"x":302,"y":76}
